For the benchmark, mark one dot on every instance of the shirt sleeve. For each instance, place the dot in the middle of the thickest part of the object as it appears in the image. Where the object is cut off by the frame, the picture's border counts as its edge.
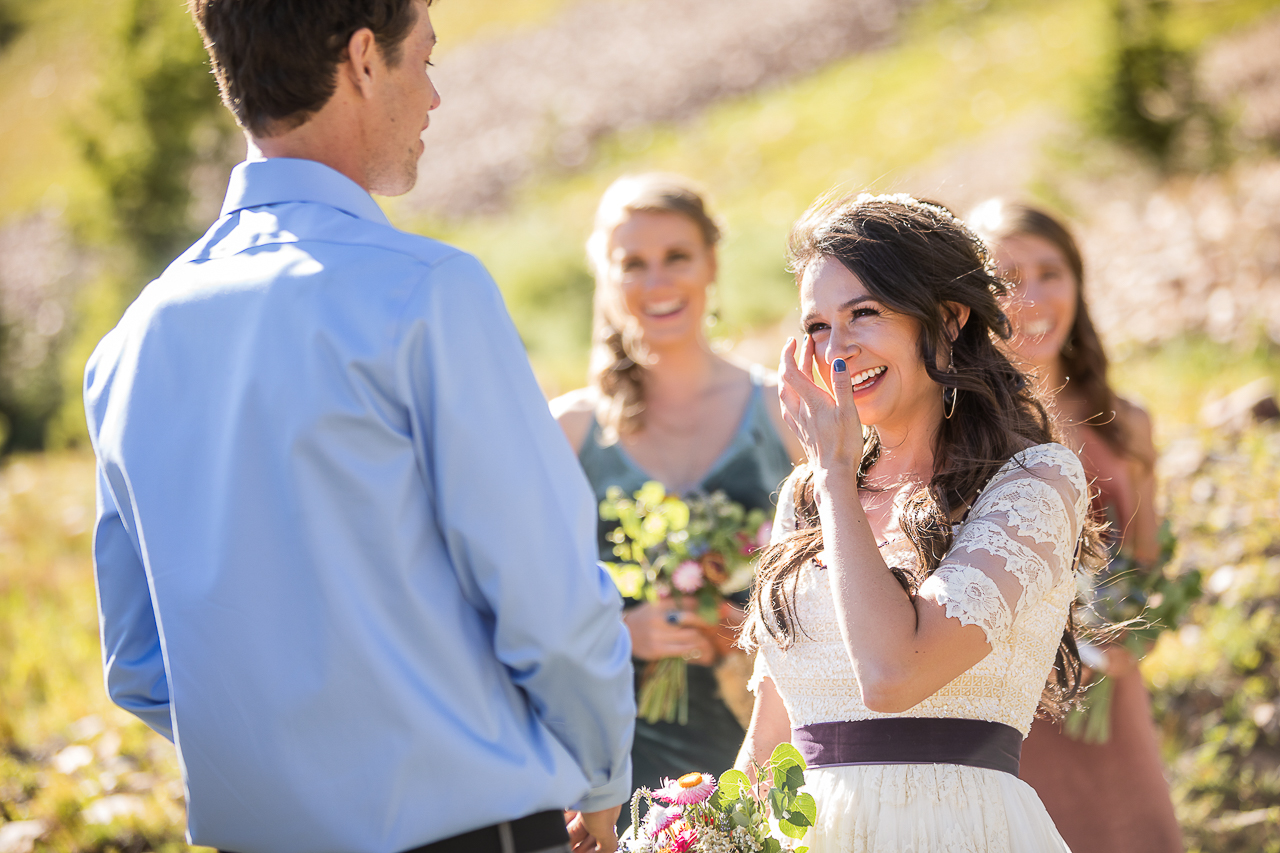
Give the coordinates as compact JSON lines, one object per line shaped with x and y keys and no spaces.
{"x":519,"y":521}
{"x":1019,"y":540}
{"x":132,"y":658}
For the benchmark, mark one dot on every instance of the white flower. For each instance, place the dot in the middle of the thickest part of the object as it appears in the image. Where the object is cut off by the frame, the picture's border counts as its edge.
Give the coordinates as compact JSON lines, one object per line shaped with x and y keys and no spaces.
{"x":687,"y":577}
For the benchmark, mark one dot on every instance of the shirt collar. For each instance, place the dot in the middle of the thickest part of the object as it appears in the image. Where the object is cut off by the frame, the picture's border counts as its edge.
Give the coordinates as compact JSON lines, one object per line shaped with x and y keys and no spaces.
{"x":279,"y":180}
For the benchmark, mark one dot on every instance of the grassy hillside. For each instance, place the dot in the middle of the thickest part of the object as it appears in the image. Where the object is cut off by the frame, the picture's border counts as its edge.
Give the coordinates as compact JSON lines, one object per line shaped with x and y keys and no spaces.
{"x":964,"y":71}
{"x":50,"y":73}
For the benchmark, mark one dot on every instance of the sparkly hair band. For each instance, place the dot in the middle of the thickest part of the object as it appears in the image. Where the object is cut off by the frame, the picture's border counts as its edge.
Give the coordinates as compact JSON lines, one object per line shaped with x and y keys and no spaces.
{"x":909,"y":201}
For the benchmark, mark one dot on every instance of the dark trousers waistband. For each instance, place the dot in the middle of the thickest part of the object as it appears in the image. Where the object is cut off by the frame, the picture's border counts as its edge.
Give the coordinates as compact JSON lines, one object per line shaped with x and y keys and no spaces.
{"x":911,"y":740}
{"x":535,"y":832}
{"x":525,"y":835}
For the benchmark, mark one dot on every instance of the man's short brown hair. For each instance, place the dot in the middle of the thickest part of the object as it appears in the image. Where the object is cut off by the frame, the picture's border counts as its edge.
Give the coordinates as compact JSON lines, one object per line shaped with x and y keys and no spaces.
{"x":276,"y":60}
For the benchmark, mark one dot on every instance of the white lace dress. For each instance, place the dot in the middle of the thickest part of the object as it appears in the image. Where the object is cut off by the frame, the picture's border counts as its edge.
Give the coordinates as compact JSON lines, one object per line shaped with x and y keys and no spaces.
{"x":1022,"y":530}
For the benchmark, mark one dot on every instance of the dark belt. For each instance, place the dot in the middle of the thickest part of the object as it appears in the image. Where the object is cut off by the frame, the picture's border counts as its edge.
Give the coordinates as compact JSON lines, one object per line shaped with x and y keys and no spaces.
{"x":535,"y":832}
{"x":911,"y":740}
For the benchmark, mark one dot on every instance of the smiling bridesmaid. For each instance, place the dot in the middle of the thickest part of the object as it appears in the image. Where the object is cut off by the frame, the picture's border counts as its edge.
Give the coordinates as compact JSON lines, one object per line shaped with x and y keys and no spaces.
{"x":1110,"y":795}
{"x":662,"y":405}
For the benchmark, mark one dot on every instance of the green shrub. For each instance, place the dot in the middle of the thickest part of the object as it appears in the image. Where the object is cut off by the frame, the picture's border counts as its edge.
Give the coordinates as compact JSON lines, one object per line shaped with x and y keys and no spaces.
{"x":11,"y":22}
{"x":1149,"y":99}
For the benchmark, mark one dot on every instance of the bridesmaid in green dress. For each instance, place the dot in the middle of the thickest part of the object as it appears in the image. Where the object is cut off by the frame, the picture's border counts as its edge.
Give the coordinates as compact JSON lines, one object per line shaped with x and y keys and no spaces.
{"x":662,"y":405}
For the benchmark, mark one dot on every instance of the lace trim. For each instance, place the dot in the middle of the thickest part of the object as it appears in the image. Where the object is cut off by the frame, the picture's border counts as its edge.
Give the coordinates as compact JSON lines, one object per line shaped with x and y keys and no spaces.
{"x":971,"y":597}
{"x":758,"y":673}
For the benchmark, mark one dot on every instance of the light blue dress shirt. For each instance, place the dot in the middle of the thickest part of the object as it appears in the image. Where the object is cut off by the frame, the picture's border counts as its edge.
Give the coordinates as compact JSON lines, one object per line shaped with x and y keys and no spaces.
{"x":345,"y":558}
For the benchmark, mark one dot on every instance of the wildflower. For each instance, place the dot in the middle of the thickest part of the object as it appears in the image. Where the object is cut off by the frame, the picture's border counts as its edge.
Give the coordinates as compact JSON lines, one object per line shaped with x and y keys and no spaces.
{"x":683,"y":839}
{"x":659,"y":818}
{"x":764,"y":534}
{"x":713,"y":567}
{"x":688,"y":789}
{"x":687,"y":577}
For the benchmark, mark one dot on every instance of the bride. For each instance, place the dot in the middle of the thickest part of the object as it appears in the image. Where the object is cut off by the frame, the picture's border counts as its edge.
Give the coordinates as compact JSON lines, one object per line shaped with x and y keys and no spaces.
{"x":919,"y":596}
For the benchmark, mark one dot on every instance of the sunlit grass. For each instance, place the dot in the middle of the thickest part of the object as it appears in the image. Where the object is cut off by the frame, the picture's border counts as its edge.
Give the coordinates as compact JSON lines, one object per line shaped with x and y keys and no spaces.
{"x":459,"y":21}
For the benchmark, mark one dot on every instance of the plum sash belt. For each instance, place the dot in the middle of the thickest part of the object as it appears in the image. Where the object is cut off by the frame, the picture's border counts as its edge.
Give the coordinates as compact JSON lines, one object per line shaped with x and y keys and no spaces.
{"x":910,"y":740}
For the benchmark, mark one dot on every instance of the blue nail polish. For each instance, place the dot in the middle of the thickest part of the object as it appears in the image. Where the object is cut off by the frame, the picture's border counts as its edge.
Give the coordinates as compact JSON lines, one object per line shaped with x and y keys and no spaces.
{"x":838,"y":365}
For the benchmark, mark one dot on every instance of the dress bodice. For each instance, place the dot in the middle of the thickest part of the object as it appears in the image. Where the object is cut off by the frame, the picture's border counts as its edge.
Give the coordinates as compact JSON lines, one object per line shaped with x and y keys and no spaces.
{"x":749,"y":470}
{"x":1010,"y":571}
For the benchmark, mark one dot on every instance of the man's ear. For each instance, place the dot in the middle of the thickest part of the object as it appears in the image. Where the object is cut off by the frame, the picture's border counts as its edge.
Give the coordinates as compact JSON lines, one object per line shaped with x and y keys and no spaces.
{"x":362,"y":62}
{"x":957,"y":316}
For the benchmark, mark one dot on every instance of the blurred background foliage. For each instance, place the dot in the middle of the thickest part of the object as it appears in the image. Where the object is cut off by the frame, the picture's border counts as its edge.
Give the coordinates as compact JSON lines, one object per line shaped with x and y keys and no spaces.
{"x":1154,"y":124}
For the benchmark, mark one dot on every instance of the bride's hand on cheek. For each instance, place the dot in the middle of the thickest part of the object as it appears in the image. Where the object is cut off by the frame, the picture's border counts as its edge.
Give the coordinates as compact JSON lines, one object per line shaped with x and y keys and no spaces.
{"x":828,"y":426}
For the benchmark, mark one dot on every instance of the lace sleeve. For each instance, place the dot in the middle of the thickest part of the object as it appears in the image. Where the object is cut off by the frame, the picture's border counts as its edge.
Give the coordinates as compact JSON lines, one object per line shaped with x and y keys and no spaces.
{"x":1018,"y":541}
{"x":759,"y":673}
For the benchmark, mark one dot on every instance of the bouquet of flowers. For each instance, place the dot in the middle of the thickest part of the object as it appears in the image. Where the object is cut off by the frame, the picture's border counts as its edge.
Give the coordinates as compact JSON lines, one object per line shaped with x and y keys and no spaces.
{"x":668,"y":548}
{"x":694,"y":814}
{"x":1143,"y":604}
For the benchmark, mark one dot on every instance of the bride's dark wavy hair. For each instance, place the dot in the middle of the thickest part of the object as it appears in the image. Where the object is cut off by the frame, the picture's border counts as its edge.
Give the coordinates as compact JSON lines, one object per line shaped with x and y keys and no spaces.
{"x":919,"y":260}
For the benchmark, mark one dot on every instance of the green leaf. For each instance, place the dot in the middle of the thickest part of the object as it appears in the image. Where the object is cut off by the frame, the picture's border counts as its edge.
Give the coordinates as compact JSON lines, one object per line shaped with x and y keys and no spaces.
{"x":806,"y":806}
{"x":788,"y":777}
{"x":784,"y":753}
{"x":734,"y":784}
{"x":779,"y":803}
{"x":772,"y":845}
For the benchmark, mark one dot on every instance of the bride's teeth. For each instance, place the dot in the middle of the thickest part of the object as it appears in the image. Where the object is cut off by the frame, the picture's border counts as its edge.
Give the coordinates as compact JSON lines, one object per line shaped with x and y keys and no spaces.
{"x":868,"y":375}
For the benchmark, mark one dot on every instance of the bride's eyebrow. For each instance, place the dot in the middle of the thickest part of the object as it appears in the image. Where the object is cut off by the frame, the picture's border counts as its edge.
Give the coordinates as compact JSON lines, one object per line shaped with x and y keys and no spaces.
{"x":812,"y":316}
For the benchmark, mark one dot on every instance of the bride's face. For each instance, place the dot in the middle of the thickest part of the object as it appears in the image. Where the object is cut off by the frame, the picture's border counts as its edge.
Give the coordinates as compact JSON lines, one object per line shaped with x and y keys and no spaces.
{"x":880,"y":346}
{"x":661,"y":267}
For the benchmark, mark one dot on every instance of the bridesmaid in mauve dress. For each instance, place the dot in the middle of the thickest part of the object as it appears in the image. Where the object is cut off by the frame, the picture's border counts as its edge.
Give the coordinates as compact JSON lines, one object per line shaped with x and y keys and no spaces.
{"x":1111,"y":795}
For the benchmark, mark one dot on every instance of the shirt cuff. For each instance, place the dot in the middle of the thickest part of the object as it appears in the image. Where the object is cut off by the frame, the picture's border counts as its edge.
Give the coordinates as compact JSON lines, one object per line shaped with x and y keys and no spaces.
{"x":615,"y":792}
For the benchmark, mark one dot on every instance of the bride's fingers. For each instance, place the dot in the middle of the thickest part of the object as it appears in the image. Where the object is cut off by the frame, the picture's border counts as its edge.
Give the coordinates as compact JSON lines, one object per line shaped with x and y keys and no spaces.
{"x":806,"y":356}
{"x":843,"y":390}
{"x":791,"y":424}
{"x":792,"y":377}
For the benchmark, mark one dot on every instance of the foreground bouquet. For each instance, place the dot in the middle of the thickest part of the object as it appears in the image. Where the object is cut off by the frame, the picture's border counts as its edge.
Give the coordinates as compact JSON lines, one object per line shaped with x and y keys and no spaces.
{"x":695,"y":815}
{"x":699,"y":548}
{"x":1141,"y":604}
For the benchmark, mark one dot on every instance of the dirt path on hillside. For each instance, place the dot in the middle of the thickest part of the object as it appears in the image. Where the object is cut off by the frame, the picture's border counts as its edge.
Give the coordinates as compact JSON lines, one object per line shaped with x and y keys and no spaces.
{"x":541,"y":98}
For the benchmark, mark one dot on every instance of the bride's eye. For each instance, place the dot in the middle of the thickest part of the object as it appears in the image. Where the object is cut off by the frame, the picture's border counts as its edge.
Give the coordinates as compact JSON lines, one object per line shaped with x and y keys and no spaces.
{"x":814,"y":328}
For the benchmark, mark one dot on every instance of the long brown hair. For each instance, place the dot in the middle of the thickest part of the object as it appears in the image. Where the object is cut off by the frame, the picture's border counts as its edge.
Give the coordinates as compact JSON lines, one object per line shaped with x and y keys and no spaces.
{"x":617,"y":370}
{"x":1083,"y":359}
{"x":918,"y":259}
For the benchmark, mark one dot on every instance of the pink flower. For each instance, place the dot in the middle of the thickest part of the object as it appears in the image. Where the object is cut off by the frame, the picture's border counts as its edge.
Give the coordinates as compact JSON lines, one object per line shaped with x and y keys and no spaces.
{"x":659,"y":818}
{"x":687,"y":577}
{"x":688,"y":789}
{"x":683,"y":840}
{"x":764,"y":534}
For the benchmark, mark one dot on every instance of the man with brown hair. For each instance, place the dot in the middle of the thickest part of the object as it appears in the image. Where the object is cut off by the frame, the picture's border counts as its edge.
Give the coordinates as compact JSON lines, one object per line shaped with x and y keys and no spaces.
{"x":345,"y":558}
